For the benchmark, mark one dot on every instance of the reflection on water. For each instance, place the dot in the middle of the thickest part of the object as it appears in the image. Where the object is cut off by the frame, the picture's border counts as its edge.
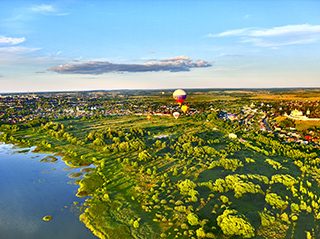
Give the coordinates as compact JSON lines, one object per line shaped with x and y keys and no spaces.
{"x":29,"y":190}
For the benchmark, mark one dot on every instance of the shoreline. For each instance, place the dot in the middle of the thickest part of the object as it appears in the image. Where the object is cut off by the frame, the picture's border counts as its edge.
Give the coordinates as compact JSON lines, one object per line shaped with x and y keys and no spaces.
{"x":63,"y":209}
{"x":84,"y":219}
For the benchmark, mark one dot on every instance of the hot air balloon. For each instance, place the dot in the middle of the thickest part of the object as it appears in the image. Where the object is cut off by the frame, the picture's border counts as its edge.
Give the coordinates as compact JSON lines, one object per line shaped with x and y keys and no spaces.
{"x":176,"y":114}
{"x":184,"y":108}
{"x":179,"y":95}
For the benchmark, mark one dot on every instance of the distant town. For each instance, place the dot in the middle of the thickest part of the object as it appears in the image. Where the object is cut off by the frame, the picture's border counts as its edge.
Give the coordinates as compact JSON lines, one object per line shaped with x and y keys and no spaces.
{"x":277,"y":117}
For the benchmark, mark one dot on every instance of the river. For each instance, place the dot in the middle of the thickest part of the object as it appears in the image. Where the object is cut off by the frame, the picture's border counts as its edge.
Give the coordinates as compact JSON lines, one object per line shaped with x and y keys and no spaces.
{"x":31,"y":189}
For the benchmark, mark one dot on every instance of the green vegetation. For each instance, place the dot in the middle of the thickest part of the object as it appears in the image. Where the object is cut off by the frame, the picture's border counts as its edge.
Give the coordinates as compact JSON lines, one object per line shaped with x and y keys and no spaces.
{"x":192,"y":182}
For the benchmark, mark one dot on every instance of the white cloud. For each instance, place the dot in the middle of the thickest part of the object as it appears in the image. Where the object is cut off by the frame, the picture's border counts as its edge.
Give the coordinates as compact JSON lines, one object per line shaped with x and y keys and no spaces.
{"x":43,"y":8}
{"x":303,"y":29}
{"x":271,"y":43}
{"x":47,"y":9}
{"x":10,"y":48}
{"x":11,"y":40}
{"x":18,"y":49}
{"x":275,"y":36}
{"x":234,"y":32}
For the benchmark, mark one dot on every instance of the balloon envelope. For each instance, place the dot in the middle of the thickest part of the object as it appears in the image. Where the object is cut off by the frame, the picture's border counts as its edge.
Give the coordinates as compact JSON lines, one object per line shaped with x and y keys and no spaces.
{"x":176,"y":115}
{"x":179,"y":95}
{"x":184,"y":108}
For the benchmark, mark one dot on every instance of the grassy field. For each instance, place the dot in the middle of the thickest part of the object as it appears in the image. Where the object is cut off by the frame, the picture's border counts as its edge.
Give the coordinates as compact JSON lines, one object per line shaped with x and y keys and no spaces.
{"x":304,"y":125}
{"x":301,"y":125}
{"x":310,"y":95}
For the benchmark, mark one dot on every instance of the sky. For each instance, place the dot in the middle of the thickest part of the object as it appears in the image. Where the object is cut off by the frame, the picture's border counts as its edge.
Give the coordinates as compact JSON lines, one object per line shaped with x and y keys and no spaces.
{"x":102,"y":45}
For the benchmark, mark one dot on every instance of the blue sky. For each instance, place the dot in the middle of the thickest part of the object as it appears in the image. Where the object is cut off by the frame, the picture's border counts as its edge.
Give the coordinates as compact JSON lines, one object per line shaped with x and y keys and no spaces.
{"x":86,"y":45}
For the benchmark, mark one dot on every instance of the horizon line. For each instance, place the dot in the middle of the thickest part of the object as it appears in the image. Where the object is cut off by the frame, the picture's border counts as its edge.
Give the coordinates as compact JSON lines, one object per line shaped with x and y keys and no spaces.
{"x":155,"y":89}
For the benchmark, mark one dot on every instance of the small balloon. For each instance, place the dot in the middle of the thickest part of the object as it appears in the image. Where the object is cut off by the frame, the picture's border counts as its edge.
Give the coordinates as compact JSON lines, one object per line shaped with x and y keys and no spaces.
{"x":176,"y":115}
{"x":184,"y":108}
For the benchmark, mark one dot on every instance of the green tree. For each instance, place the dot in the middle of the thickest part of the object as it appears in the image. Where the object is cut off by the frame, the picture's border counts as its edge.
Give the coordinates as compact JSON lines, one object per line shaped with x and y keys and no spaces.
{"x":193,"y":219}
{"x":234,"y":225}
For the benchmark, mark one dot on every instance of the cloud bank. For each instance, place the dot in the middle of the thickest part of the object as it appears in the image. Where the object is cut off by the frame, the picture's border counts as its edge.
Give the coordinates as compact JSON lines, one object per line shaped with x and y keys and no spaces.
{"x":275,"y":36}
{"x":176,"y":64}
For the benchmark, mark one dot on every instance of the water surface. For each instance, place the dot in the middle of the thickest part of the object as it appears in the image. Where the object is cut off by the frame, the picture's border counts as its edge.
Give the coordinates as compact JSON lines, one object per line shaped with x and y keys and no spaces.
{"x":29,"y":190}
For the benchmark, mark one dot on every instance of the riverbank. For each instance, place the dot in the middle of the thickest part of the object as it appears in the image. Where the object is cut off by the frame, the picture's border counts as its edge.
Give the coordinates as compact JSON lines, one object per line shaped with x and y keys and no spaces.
{"x":104,"y":219}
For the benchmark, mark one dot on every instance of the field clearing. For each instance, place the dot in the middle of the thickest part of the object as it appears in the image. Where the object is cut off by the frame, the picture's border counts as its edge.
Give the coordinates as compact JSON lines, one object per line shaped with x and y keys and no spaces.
{"x":306,"y":124}
{"x":277,"y":97}
{"x":300,"y":125}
